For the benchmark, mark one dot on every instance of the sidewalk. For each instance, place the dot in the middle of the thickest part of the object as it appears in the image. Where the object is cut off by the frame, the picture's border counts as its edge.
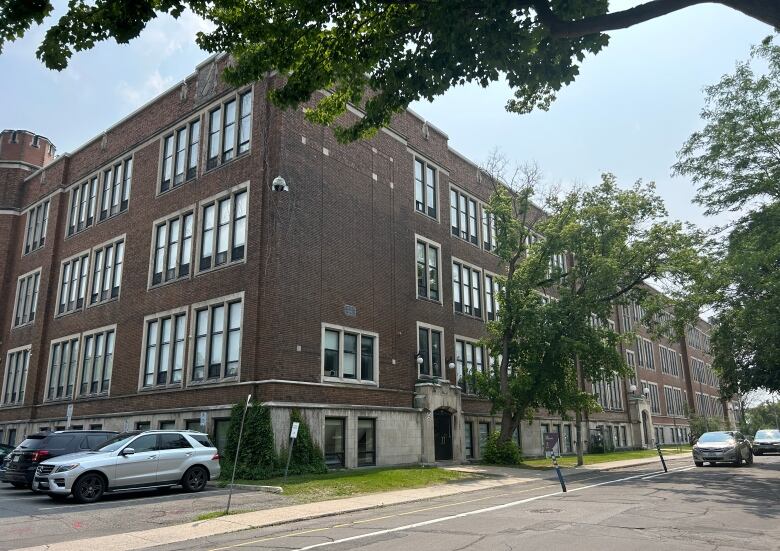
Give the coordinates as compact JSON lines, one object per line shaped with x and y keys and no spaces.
{"x":500,"y":476}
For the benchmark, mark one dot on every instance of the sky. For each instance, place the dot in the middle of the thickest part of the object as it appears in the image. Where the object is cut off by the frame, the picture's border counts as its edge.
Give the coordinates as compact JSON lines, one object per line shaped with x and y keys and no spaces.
{"x":628,"y":112}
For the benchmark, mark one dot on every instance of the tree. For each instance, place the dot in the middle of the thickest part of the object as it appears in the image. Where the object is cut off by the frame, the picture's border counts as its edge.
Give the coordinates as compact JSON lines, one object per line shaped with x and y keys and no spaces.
{"x":735,"y":162}
{"x":307,"y":456}
{"x":552,"y":332}
{"x":257,"y":457}
{"x":401,"y":50}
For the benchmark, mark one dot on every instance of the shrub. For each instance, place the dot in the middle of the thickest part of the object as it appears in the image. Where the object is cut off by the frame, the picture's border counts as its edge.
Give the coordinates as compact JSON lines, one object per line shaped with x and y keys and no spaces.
{"x":257,"y":458}
{"x":500,"y":453}
{"x":307,"y":457}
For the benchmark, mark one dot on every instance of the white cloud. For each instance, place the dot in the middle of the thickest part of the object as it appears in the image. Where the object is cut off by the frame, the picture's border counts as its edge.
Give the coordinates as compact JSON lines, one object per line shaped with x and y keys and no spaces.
{"x":135,"y":96}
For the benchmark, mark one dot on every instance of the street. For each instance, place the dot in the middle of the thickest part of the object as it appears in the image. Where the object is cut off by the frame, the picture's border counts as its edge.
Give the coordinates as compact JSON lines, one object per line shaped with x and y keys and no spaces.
{"x":635,"y":508}
{"x":28,"y":519}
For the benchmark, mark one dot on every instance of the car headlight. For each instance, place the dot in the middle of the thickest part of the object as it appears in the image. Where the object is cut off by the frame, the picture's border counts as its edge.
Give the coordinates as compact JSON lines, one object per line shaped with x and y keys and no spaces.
{"x":65,"y":468}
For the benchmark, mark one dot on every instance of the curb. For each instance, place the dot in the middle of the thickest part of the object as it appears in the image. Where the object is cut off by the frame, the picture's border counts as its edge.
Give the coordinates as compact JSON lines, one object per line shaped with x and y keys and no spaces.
{"x":256,"y":488}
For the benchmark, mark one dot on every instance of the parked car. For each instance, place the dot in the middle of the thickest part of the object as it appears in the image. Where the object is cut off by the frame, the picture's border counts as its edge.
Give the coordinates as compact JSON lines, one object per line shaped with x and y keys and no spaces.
{"x":24,"y":459}
{"x":766,"y":441}
{"x":131,"y":461}
{"x":5,"y":449}
{"x":722,"y":447}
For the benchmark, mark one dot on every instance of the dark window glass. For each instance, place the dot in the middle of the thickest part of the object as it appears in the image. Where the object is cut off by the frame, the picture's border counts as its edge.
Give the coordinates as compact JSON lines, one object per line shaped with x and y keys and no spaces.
{"x":366,"y":442}
{"x":334,"y":442}
{"x":173,"y":442}
{"x":145,"y":443}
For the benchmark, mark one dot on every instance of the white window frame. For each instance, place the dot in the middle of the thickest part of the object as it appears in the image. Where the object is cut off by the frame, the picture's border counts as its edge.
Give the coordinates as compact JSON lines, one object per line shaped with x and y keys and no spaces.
{"x":178,"y":215}
{"x":32,"y":310}
{"x":200,"y":219}
{"x":456,"y":224}
{"x":118,"y":194}
{"x":417,"y":158}
{"x":444,"y":367}
{"x":82,"y":353}
{"x":22,"y":387}
{"x":113,"y":243}
{"x":481,"y":294}
{"x":428,"y":244}
{"x":70,"y":259}
{"x":59,"y":341}
{"x":188,"y":155}
{"x":496,"y":290}
{"x":488,"y":219}
{"x":192,"y":323}
{"x":460,"y":363}
{"x":207,"y":132}
{"x":37,"y":225}
{"x":358,"y":366}
{"x":159,"y":317}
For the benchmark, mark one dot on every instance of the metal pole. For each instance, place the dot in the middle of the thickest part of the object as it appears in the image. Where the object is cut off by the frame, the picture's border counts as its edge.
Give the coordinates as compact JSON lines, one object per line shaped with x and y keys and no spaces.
{"x":289,"y":456}
{"x":235,"y":459}
{"x":558,"y":472}
{"x":658,"y":447}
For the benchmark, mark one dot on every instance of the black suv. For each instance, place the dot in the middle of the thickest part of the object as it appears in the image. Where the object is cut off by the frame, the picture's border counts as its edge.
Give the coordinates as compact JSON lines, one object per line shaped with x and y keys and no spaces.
{"x":22,"y":462}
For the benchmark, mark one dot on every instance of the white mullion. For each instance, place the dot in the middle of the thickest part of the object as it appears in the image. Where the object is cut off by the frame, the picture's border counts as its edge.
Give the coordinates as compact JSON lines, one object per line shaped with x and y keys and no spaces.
{"x":341,"y":354}
{"x":225,"y":326}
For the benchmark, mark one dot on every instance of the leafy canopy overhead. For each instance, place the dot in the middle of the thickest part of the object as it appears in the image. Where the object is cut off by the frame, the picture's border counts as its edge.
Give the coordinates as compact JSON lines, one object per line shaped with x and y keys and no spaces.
{"x":735,"y":161}
{"x":402,"y":50}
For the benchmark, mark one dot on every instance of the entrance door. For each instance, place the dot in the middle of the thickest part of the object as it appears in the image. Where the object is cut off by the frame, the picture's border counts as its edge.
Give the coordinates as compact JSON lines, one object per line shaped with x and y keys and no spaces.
{"x":645,"y":433}
{"x":442,"y":434}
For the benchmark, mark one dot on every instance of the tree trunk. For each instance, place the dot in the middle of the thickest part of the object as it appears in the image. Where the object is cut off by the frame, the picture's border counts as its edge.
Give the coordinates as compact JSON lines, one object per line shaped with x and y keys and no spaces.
{"x":580,"y":443}
{"x":507,"y":425}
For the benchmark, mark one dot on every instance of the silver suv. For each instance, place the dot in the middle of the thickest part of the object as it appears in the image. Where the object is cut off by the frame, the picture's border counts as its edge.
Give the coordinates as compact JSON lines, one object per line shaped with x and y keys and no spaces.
{"x":131,"y":461}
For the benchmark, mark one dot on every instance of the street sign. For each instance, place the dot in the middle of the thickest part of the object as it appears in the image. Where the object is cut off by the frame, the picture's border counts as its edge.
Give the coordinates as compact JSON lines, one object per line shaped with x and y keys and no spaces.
{"x":69,"y":415}
{"x":203,"y":419}
{"x":550,"y":441}
{"x":294,"y":430}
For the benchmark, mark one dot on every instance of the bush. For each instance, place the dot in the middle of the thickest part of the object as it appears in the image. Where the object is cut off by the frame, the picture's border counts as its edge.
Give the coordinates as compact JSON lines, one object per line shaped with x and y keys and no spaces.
{"x":500,"y":453}
{"x":307,"y":457}
{"x":257,"y":458}
{"x":700,"y":424}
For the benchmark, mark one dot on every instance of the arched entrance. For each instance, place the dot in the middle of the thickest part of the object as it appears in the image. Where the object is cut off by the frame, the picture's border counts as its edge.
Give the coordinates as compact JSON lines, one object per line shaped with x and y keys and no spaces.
{"x":645,"y":424}
{"x":442,"y":434}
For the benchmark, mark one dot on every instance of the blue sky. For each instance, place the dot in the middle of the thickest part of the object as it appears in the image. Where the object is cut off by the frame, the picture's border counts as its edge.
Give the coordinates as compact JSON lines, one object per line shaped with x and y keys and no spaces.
{"x":629,"y":111}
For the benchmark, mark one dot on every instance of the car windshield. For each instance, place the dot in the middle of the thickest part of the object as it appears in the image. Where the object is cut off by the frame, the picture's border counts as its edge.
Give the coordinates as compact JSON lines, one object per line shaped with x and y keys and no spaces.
{"x":117,"y":442}
{"x":716,"y":437}
{"x":768,"y":434}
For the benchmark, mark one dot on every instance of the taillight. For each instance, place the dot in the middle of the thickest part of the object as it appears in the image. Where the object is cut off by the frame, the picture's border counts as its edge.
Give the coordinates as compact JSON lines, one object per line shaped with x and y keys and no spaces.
{"x":216,"y":457}
{"x":39,"y":456}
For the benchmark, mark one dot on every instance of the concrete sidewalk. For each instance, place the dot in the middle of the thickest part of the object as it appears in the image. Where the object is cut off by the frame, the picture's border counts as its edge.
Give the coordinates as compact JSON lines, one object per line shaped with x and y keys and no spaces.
{"x":497,"y":477}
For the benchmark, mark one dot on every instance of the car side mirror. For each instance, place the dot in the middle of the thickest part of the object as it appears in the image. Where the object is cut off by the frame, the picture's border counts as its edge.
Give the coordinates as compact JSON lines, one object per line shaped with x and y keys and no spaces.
{"x":128,"y":451}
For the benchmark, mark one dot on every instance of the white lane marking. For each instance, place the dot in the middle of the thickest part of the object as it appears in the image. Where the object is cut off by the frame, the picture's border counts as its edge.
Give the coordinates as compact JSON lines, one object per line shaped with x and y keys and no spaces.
{"x":470,"y":513}
{"x":677,"y":470}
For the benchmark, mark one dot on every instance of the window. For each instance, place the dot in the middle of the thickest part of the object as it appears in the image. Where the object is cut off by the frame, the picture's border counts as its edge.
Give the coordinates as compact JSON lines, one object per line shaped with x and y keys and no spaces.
{"x":366,"y":443}
{"x":15,"y":379}
{"x":427,"y":269}
{"x":225,"y":140}
{"x":217,"y":340}
{"x":655,"y":403}
{"x":180,"y":155}
{"x":466,"y":289}
{"x":671,"y":361}
{"x":468,"y":428}
{"x":469,"y":359}
{"x":484,"y":432}
{"x":172,"y":248}
{"x":609,"y":394}
{"x":115,"y":193}
{"x":334,"y":441}
{"x":172,"y":441}
{"x":26,"y":298}
{"x":107,"y":271}
{"x":425,"y":189}
{"x":349,"y":354}
{"x":488,"y":230}
{"x":37,"y":222}
{"x":97,"y":362}
{"x":567,"y":439}
{"x":83,"y":203}
{"x":492,"y":291}
{"x":63,"y":367}
{"x":223,"y":232}
{"x":463,"y":216}
{"x":146,"y":442}
{"x":429,"y":347}
{"x":73,"y":283}
{"x":644,"y":351}
{"x":164,"y":350}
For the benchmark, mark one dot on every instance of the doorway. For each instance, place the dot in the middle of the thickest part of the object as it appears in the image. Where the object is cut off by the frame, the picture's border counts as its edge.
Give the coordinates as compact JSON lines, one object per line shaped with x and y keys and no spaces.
{"x":645,"y":423}
{"x":442,"y":434}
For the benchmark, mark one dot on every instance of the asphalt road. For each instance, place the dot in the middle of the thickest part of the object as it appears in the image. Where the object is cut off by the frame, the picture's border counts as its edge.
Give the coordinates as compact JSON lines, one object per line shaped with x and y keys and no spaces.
{"x":28,"y":519}
{"x":639,"y":508}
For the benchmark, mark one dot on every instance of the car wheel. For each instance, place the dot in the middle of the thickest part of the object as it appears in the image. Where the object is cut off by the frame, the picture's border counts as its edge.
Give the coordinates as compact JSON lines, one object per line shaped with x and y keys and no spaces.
{"x":749,"y":460}
{"x":89,"y":488}
{"x":194,"y":480}
{"x":738,"y":460}
{"x":699,"y":463}
{"x":18,"y":484}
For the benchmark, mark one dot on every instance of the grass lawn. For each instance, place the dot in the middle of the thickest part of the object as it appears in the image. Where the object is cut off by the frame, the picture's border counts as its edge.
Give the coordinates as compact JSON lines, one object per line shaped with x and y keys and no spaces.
{"x":337,"y":484}
{"x":593,"y":458}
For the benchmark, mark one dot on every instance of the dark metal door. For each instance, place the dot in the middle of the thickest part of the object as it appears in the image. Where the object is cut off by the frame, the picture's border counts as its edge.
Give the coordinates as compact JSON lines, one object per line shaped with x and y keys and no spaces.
{"x":442,"y":434}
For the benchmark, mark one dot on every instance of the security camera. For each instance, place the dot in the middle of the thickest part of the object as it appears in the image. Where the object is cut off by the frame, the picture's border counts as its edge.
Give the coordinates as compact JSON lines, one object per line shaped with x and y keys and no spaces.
{"x":279,"y":184}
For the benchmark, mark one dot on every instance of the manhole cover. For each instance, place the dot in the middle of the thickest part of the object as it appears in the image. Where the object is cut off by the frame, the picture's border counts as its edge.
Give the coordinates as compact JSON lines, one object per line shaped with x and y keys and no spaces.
{"x":545,"y":511}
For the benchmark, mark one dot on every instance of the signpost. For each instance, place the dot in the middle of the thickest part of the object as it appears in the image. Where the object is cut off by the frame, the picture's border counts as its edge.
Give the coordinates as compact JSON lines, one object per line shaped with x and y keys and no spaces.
{"x":238,"y":449}
{"x":293,"y":436}
{"x":550,"y":441}
{"x":658,"y":447}
{"x":203,"y":420}
{"x":69,"y":415}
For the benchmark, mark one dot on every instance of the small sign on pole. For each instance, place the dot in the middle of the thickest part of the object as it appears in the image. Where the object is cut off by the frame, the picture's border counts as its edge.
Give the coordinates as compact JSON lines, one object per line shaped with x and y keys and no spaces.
{"x":69,"y":414}
{"x":550,"y":441}
{"x":203,"y":420}
{"x":293,"y":436}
